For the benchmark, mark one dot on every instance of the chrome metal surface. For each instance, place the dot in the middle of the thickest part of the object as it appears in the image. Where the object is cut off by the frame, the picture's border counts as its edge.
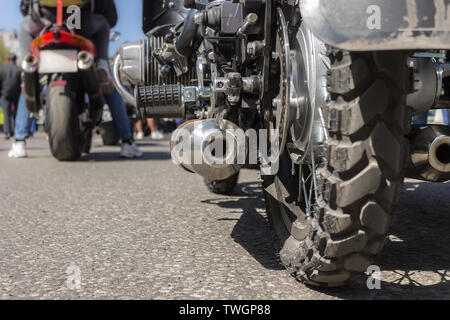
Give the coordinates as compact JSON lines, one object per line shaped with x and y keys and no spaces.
{"x":430,"y":154}
{"x":194,"y":146}
{"x":127,"y":96}
{"x":30,"y":64}
{"x":282,"y":101}
{"x":85,"y":60}
{"x":373,"y":25}
{"x":308,"y":92}
{"x":427,"y":85}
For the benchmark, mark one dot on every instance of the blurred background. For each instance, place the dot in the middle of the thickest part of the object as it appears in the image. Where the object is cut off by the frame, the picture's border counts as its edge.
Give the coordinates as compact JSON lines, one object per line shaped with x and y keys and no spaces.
{"x":129,"y":26}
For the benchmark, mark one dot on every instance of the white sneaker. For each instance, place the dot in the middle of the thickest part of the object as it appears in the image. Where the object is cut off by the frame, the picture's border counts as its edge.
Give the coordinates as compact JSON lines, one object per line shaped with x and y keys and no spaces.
{"x":18,"y":150}
{"x":157,"y":135}
{"x":130,"y":151}
{"x":140,"y":136}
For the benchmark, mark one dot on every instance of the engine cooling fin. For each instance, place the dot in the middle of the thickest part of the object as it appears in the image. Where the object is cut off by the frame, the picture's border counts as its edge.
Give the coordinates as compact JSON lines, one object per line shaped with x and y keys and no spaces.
{"x":152,"y":74}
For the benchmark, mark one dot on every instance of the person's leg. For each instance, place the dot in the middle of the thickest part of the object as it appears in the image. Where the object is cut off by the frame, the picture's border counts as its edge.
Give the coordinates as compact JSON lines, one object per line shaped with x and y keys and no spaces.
{"x":14,"y":114}
{"x":22,"y":121}
{"x":28,"y":31}
{"x":156,"y":134}
{"x":119,"y":115}
{"x":18,"y":149}
{"x":151,"y":124}
{"x":7,"y":115}
{"x":97,"y":29}
{"x":446,"y":116}
{"x":139,"y":126}
{"x":140,"y":131}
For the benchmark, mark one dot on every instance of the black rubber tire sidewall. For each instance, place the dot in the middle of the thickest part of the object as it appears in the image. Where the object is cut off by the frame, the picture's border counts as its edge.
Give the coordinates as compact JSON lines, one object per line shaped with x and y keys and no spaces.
{"x":62,"y":123}
{"x":349,"y":226}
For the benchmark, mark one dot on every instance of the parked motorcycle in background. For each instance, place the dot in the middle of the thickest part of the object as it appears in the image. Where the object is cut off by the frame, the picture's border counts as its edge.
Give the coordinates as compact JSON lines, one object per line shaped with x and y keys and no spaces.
{"x":64,"y":63}
{"x":333,"y":83}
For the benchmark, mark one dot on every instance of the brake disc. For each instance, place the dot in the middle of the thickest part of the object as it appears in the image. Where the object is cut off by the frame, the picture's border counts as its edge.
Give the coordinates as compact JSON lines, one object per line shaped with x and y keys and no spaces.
{"x":282,"y":102}
{"x":300,"y":102}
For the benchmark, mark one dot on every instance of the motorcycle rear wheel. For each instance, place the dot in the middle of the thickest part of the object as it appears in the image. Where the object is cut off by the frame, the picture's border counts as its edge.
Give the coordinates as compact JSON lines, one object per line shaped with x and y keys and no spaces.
{"x":63,"y":124}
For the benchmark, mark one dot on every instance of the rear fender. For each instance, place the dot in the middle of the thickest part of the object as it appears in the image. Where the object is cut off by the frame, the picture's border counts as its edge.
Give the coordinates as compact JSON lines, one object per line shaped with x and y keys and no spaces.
{"x":370,"y":25}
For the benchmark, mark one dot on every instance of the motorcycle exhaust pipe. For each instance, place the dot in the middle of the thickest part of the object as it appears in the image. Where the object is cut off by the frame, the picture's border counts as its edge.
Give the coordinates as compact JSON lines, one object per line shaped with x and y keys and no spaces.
{"x":88,"y":71}
{"x":215,"y":149}
{"x":31,"y":86}
{"x":430,"y":154}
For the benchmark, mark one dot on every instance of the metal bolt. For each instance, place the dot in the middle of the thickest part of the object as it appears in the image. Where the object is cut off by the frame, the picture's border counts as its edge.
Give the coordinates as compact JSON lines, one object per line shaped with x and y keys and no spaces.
{"x":212,"y":56}
{"x":251,"y":18}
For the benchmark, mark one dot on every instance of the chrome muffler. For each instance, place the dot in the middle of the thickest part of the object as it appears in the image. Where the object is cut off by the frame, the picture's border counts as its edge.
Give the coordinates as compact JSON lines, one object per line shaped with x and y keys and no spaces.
{"x":430,"y":154}
{"x":31,"y":86}
{"x":215,"y":149}
{"x":88,"y":72}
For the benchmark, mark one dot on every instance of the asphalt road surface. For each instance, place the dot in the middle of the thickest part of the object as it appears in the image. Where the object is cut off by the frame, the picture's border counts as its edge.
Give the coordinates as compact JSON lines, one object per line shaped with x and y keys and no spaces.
{"x":104,"y":228}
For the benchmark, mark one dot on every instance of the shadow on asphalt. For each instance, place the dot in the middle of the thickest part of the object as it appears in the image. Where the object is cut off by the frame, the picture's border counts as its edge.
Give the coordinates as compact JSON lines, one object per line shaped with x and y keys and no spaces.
{"x":251,"y":230}
{"x":146,"y":144}
{"x":416,"y":257}
{"x":114,"y":156}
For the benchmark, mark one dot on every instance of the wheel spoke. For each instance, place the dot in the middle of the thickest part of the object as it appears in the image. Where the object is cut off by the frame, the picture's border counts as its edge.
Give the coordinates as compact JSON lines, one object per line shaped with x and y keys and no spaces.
{"x":307,"y":207}
{"x":308,"y":186}
{"x":300,"y":183}
{"x":314,"y":173}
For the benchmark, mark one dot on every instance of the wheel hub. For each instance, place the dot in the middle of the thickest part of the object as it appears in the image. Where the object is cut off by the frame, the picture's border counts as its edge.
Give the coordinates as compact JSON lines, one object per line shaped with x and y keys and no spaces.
{"x":282,"y":102}
{"x":294,"y":113}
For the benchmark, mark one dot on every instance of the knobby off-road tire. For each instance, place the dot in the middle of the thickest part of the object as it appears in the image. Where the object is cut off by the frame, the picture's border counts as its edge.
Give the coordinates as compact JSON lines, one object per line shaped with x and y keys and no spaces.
{"x":62,"y":123}
{"x":361,"y":176}
{"x":224,"y":186}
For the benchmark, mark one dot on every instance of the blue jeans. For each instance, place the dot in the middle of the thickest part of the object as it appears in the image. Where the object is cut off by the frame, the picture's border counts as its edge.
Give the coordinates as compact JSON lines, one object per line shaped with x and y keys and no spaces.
{"x":22,"y":121}
{"x":116,"y":105}
{"x":119,"y":114}
{"x":446,"y":116}
{"x":423,"y":118}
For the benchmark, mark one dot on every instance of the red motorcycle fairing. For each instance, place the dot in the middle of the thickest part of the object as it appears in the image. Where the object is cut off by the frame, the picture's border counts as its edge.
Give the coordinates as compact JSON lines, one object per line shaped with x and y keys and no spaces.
{"x":61,"y":83}
{"x":62,"y":38}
